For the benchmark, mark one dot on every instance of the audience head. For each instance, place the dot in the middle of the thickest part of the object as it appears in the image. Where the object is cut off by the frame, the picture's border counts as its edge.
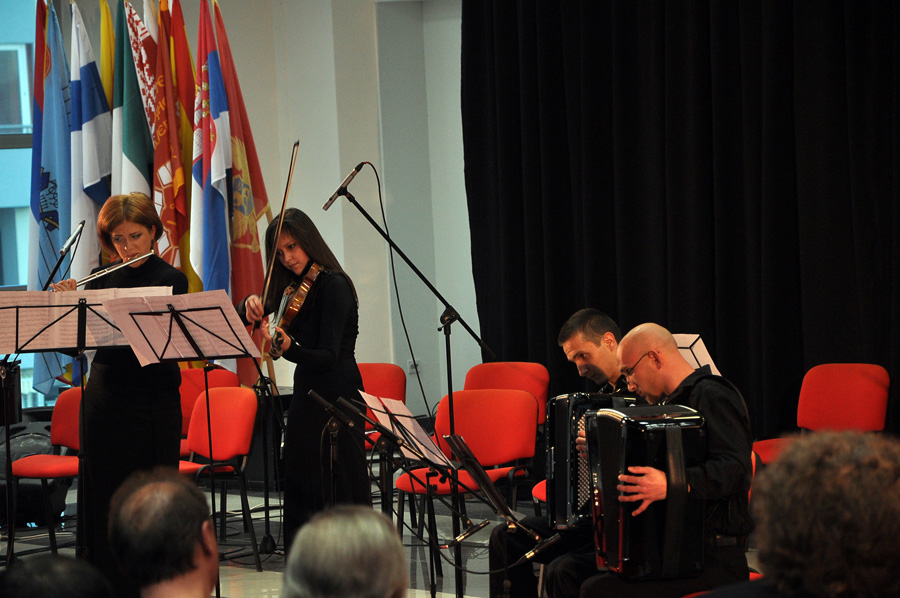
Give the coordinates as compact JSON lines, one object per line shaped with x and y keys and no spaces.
{"x":53,"y":576}
{"x":648,"y":357}
{"x":828,"y":516}
{"x":349,"y":551}
{"x":159,"y":529}
{"x":589,"y":339}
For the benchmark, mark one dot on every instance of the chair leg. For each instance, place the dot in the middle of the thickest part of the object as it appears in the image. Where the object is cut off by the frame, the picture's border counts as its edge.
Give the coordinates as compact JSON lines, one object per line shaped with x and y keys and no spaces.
{"x":222,"y":512}
{"x":401,"y":507}
{"x":248,"y":520}
{"x":11,"y":524}
{"x":51,"y":526}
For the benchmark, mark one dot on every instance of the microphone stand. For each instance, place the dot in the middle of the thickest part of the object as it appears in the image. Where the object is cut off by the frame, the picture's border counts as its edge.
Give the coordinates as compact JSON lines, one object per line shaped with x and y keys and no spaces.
{"x":449,"y":316}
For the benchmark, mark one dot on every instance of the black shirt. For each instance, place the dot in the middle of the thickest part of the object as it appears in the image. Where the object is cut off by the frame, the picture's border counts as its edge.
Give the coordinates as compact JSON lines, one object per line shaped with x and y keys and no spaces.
{"x":723,"y":478}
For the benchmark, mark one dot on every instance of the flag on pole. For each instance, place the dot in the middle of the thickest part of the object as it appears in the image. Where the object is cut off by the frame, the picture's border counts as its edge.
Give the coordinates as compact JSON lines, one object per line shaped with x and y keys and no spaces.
{"x":248,"y":193}
{"x":143,"y":51}
{"x":132,"y":148}
{"x":50,"y":169}
{"x":181,"y":80}
{"x":211,"y":157}
{"x":91,"y":147}
{"x":168,"y":172}
{"x":107,"y":51}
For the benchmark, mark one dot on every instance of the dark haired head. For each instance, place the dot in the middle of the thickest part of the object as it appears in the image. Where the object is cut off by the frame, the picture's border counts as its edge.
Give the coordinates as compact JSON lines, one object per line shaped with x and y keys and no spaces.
{"x":53,"y":576}
{"x":155,"y":523}
{"x":299,"y":226}
{"x":591,"y":323}
{"x":828,"y":516}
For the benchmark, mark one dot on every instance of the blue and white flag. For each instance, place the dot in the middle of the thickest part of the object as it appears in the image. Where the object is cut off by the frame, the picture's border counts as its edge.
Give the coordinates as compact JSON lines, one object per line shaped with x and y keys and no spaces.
{"x":51,"y":176}
{"x":91,"y":147}
{"x":210,"y":235}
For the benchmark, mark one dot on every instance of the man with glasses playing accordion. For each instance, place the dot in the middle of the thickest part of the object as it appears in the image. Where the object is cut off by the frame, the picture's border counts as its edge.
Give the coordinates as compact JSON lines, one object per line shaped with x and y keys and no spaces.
{"x":715,"y":484}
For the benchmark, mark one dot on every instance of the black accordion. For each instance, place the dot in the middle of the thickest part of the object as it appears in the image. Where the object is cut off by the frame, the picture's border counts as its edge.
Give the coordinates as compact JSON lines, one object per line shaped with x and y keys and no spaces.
{"x":666,"y":540}
{"x":568,"y":476}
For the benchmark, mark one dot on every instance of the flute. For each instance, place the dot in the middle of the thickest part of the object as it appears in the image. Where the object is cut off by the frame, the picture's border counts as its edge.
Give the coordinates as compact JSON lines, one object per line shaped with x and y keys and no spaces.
{"x":111,"y":269}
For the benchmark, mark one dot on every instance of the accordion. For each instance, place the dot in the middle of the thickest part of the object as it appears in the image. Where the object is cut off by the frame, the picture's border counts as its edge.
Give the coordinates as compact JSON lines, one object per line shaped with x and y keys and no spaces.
{"x":568,"y":476}
{"x":666,"y":540}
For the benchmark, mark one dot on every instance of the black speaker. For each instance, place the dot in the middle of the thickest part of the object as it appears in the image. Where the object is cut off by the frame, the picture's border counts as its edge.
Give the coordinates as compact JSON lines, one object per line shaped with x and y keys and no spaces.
{"x":10,"y":392}
{"x":32,"y":438}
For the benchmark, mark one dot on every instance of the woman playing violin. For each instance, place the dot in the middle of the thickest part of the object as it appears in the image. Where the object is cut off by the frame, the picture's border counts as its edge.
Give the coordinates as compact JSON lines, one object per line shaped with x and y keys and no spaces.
{"x":321,"y":340}
{"x":132,"y":414}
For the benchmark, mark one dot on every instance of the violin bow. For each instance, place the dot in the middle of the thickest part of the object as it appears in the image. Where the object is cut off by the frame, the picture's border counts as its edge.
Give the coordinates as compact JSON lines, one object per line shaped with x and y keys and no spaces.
{"x":271,"y":260}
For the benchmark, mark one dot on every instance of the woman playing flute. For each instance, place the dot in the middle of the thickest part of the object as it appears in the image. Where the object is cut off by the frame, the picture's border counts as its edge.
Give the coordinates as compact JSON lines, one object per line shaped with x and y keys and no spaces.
{"x":132,"y":414}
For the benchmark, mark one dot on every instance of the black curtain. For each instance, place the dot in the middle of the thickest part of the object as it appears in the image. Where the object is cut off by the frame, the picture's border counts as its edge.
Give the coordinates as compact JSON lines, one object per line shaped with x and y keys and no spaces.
{"x":721,"y":168}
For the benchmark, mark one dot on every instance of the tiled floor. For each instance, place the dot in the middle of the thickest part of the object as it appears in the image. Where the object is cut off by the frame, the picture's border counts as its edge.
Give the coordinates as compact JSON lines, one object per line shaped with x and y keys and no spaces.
{"x":239,"y":578}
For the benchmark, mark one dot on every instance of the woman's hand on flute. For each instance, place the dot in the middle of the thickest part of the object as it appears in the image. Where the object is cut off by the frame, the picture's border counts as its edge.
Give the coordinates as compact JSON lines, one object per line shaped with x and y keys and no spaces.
{"x":64,"y":285}
{"x":254,"y":309}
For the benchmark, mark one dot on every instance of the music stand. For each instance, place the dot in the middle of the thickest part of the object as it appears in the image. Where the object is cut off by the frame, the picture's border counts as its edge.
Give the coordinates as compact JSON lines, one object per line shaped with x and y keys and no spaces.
{"x":71,"y":323}
{"x":196,"y":326}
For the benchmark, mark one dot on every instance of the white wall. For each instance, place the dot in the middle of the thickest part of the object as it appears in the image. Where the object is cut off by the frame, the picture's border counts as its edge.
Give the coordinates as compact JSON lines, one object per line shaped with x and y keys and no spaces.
{"x":353,"y":81}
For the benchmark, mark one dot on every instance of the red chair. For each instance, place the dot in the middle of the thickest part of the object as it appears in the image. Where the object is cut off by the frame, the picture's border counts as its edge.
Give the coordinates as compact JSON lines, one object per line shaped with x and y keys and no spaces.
{"x":64,"y":434}
{"x":518,"y":375}
{"x":505,"y":451}
{"x":385,"y":380}
{"x":836,"y":396}
{"x":192,"y":384}
{"x":232,"y":415}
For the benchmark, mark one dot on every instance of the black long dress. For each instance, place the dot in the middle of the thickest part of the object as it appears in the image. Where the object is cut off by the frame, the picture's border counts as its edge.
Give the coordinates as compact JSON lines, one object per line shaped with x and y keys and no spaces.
{"x":323,"y":345}
{"x":131,"y":421}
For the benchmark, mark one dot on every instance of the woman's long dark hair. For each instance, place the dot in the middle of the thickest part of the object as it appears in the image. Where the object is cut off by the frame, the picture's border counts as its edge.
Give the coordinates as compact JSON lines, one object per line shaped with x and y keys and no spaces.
{"x":301,"y":227}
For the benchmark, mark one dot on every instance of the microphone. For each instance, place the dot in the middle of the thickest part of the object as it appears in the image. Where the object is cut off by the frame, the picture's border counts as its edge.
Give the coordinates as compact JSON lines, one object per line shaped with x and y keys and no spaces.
{"x":72,"y":238}
{"x":469,"y":532}
{"x":336,"y":413}
{"x":531,"y":553}
{"x":343,"y":188}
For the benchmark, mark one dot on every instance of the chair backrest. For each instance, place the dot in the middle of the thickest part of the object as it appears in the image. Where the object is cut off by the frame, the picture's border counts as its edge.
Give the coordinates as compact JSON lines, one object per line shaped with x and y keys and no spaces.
{"x":518,"y":375}
{"x":192,"y":384}
{"x":499,"y":425}
{"x":385,"y":380}
{"x":844,"y":396}
{"x":232,"y":417}
{"x":64,"y":422}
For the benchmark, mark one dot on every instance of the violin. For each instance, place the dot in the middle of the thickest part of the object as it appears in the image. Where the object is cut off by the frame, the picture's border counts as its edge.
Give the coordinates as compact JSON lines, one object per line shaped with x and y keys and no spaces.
{"x":291,"y":303}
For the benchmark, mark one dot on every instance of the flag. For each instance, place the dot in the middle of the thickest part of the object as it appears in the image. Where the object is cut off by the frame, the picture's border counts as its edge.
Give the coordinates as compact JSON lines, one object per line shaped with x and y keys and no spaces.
{"x":132,"y":148}
{"x":50,"y":169}
{"x":211,"y":155}
{"x":168,"y":172}
{"x":182,"y":81}
{"x":91,"y":147}
{"x":143,"y":51}
{"x":107,"y":50}
{"x":248,"y":193}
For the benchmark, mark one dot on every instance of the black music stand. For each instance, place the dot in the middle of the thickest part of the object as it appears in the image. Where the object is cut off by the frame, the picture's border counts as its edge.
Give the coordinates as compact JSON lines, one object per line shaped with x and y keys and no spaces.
{"x":396,"y":423}
{"x":196,"y":326}
{"x":71,"y":323}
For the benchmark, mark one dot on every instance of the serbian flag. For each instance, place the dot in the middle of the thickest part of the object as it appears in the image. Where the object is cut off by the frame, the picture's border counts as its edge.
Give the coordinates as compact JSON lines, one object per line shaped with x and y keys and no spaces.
{"x":248,"y":193}
{"x":212,"y":156}
{"x":91,"y":147}
{"x":168,"y":172}
{"x":51,"y":175}
{"x":132,"y":148}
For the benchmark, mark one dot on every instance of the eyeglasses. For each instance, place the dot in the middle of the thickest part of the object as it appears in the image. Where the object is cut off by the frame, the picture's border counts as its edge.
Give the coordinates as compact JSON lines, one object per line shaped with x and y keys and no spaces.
{"x":627,"y":372}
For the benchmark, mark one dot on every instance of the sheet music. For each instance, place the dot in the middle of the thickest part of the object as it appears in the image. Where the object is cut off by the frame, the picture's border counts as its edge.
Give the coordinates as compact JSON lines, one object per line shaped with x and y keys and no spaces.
{"x":409,"y":428}
{"x":209,"y":317}
{"x":32,"y":321}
